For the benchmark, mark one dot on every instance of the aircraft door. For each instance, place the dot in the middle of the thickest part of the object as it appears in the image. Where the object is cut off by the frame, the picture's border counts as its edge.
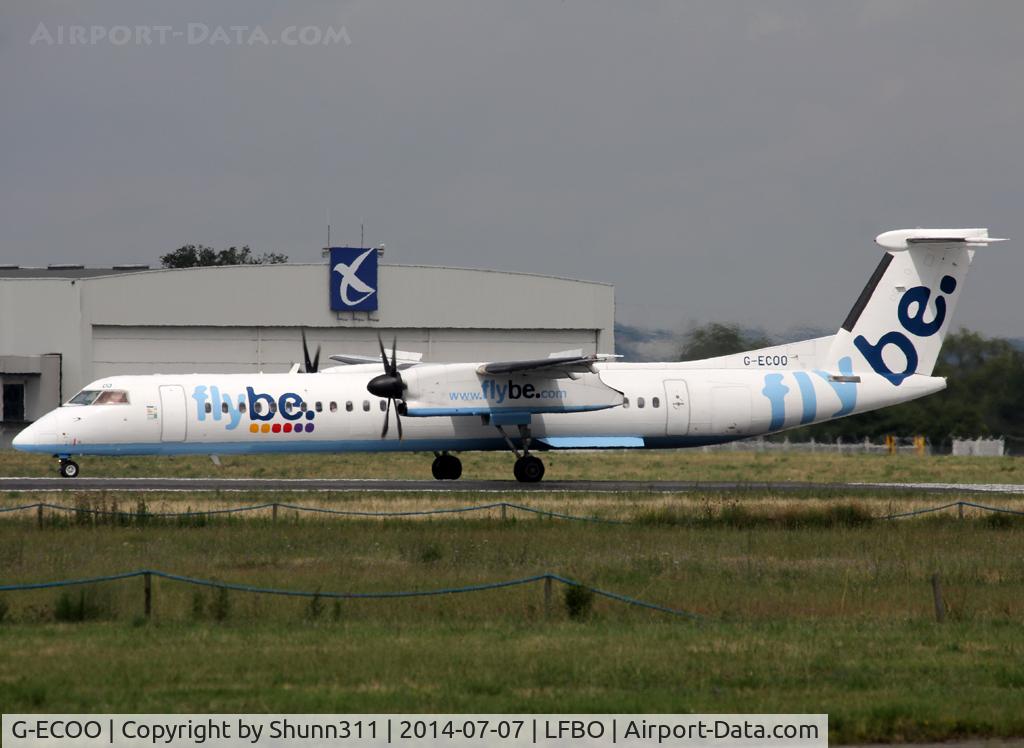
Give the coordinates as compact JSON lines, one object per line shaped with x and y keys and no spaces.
{"x":173,"y":416}
{"x":677,"y":408}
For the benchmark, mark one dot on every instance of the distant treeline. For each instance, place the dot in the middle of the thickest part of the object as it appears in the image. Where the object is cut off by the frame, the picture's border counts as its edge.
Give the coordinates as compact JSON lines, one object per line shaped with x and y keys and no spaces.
{"x":984,"y":396}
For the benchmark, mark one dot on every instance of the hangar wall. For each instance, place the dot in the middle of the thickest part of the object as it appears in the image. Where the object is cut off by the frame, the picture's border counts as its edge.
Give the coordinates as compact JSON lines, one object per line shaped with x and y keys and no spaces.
{"x":95,"y":323}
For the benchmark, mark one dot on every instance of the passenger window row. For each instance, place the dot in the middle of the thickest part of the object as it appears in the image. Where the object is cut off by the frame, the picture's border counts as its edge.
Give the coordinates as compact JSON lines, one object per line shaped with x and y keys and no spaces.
{"x":640,"y":402}
{"x":318,"y":406}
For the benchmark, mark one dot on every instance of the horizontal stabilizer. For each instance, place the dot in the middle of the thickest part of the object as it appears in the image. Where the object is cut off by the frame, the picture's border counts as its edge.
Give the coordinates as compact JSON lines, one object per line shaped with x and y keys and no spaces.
{"x":907,"y":238}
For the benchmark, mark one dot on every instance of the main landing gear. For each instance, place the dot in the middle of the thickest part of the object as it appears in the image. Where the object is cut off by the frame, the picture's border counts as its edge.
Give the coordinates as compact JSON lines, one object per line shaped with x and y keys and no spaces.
{"x":446,"y":466}
{"x":528,"y":468}
{"x":68,"y":468}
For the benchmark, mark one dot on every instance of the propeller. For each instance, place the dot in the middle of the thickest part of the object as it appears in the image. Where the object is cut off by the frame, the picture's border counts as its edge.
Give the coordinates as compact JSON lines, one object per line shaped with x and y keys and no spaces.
{"x":389,"y":384}
{"x":311,"y":365}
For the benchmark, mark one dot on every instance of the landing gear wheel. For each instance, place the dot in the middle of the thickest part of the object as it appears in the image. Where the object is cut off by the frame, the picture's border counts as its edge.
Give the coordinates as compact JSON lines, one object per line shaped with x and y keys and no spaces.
{"x":69,"y":468}
{"x":528,"y":469}
{"x":446,"y":467}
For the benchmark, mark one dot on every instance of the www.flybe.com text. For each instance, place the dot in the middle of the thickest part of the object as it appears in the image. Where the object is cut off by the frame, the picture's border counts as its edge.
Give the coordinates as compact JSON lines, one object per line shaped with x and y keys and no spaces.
{"x":496,"y":392}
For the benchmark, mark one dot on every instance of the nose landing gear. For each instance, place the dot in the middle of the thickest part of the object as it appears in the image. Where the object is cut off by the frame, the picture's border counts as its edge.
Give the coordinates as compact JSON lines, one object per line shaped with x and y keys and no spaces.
{"x":68,"y":468}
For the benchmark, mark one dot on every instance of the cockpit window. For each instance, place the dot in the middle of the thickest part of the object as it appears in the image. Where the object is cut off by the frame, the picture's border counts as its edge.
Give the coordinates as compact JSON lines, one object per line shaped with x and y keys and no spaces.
{"x":85,"y":397}
{"x":112,"y":397}
{"x":100,"y":397}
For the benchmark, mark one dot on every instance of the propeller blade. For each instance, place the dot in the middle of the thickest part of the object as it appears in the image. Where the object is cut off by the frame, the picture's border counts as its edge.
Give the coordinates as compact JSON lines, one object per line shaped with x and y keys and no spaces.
{"x":316,"y":360}
{"x":398,"y":420}
{"x":387,"y":415}
{"x":305,"y":353}
{"x":383,"y":354}
{"x":394,"y":356}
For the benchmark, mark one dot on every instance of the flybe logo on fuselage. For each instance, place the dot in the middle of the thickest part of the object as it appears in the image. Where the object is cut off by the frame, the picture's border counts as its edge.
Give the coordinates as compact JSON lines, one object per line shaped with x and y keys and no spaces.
{"x":914,"y":323}
{"x":258,"y":408}
{"x":498,"y":392}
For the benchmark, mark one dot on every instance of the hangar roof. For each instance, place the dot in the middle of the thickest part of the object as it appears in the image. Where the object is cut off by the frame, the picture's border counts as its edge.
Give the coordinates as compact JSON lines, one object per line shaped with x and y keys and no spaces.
{"x":296,"y":294}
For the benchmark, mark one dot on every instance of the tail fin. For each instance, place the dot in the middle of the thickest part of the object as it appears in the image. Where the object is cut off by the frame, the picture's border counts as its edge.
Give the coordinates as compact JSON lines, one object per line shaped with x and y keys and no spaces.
{"x":897,"y":326}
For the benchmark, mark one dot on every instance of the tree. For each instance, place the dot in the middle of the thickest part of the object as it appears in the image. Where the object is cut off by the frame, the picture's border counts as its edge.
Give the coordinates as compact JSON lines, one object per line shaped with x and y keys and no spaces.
{"x":718,"y":339}
{"x":198,"y":255}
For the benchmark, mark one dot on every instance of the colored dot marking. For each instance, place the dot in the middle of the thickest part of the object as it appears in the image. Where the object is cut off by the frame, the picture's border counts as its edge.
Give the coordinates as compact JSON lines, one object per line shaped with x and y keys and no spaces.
{"x":276,"y":428}
{"x":309,"y":415}
{"x":254,"y":428}
{"x":265,"y":428}
{"x":309,"y":427}
{"x":298,"y":428}
{"x":947,"y":284}
{"x":287,"y":428}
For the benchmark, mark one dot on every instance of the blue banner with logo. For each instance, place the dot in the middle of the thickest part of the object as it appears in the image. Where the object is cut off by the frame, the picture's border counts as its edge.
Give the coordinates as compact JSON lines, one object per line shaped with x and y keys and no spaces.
{"x":353,"y":273}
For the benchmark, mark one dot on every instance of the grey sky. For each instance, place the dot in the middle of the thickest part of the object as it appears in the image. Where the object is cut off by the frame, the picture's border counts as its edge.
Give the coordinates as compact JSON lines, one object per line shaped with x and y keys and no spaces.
{"x":715,"y":160}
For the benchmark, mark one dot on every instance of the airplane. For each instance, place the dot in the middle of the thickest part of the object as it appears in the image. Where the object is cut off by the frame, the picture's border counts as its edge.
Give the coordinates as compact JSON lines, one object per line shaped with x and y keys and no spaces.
{"x":883,"y":354}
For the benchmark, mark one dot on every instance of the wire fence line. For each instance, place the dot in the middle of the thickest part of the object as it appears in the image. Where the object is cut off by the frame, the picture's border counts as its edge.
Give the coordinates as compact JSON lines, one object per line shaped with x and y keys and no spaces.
{"x":547,"y":578}
{"x":503,"y":506}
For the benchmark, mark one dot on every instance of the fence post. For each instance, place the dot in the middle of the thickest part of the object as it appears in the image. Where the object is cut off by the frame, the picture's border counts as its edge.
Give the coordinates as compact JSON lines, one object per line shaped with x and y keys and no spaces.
{"x":148,"y":595}
{"x":940,"y":608}
{"x":504,"y":514}
{"x":39,"y":514}
{"x":273,"y":512}
{"x":960,"y":509}
{"x":547,"y":597}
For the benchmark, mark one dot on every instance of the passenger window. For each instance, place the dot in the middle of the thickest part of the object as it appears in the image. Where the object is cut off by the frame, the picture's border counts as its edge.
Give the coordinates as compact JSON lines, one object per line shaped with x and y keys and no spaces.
{"x":273,"y":407}
{"x":348,"y":406}
{"x":625,"y":402}
{"x":366,"y":405}
{"x":319,"y":407}
{"x":383,"y":405}
{"x":223,"y":407}
{"x":655,"y":402}
{"x":639,"y":402}
{"x":334,"y":407}
{"x":115,"y":397}
{"x":241,"y":407}
{"x":208,"y":408}
{"x":257,"y":407}
{"x":304,"y":408}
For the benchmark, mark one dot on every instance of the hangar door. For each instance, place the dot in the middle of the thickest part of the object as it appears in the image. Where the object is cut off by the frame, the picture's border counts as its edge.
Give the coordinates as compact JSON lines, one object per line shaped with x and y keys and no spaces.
{"x":173,"y":423}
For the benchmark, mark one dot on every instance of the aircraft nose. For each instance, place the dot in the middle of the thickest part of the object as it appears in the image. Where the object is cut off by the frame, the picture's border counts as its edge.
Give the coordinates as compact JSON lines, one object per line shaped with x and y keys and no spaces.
{"x":41,"y":434}
{"x":24,"y":438}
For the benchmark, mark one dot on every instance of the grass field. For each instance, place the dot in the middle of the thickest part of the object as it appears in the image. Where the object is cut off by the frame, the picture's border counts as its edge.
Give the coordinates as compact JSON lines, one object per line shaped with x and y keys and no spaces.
{"x":808,"y":604}
{"x":691,"y":465}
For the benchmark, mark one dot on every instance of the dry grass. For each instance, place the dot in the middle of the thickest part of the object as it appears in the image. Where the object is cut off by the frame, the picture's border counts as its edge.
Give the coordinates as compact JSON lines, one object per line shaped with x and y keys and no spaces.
{"x":688,"y":465}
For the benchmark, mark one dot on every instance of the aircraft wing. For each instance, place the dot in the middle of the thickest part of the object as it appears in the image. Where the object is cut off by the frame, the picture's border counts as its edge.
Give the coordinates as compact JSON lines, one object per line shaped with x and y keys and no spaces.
{"x":556,"y":366}
{"x":402,"y":357}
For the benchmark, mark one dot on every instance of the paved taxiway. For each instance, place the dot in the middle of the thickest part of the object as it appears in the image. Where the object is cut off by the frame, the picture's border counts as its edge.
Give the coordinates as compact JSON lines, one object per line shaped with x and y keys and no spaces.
{"x":307,"y":485}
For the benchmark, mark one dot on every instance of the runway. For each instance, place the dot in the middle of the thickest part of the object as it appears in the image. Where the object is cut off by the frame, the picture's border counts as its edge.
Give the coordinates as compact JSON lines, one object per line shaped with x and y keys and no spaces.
{"x":308,"y":485}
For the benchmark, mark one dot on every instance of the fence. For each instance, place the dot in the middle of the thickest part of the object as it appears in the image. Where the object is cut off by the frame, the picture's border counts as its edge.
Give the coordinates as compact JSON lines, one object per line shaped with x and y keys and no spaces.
{"x":979,"y":447}
{"x":504,"y":507}
{"x":547,"y":578}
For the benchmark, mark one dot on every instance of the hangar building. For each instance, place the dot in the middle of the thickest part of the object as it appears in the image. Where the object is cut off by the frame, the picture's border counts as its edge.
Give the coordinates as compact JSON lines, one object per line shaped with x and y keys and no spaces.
{"x":63,"y":326}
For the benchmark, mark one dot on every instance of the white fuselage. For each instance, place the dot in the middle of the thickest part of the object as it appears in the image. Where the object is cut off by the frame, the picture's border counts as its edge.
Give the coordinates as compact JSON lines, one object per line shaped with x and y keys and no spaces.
{"x":452,"y":407}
